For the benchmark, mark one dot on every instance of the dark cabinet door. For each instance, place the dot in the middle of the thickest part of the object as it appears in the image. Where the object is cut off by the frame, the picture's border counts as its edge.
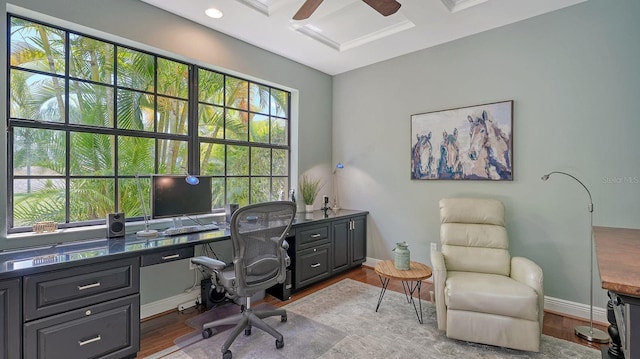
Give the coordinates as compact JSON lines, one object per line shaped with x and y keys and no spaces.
{"x":312,"y":265}
{"x":10,"y":326}
{"x":358,"y":240}
{"x":340,"y":245}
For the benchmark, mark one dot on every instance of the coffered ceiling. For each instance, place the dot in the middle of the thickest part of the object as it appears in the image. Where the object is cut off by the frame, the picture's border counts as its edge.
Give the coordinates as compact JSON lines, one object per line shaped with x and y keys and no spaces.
{"x":343,"y":35}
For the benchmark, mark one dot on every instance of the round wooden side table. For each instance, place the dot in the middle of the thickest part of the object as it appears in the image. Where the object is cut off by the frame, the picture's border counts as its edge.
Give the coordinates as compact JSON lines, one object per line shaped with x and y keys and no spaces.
{"x":411,"y":280}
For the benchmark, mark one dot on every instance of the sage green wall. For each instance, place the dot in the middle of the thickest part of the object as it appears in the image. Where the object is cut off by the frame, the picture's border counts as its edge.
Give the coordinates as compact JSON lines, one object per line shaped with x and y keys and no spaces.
{"x":573,"y":75}
{"x":136,"y":21}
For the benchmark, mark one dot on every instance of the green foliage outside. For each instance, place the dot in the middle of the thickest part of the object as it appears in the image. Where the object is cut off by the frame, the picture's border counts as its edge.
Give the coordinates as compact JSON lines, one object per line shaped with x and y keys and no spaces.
{"x":112,"y":88}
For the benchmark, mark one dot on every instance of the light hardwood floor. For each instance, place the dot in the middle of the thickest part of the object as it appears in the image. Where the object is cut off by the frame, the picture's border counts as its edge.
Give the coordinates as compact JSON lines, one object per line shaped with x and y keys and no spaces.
{"x":159,"y":332}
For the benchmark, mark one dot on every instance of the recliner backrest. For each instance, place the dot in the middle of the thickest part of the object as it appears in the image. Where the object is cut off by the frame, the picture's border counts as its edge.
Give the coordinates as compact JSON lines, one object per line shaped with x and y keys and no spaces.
{"x":257,"y":235}
{"x":473,"y":235}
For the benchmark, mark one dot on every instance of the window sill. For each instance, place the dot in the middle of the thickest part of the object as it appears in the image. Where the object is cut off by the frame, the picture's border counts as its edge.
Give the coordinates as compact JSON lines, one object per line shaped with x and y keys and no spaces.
{"x":31,"y":239}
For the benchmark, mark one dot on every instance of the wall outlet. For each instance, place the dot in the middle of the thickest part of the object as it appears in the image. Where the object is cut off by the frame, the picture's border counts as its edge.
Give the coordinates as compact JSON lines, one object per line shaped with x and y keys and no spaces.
{"x":192,"y":266}
{"x":434,"y":247}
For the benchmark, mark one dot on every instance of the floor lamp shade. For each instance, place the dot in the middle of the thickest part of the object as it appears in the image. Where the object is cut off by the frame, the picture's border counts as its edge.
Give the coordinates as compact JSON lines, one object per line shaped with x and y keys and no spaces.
{"x":588,"y":333}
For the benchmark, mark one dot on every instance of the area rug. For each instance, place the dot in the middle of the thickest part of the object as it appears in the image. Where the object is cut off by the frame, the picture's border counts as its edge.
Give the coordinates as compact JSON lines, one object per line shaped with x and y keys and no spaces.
{"x":340,"y":322}
{"x":222,"y":311}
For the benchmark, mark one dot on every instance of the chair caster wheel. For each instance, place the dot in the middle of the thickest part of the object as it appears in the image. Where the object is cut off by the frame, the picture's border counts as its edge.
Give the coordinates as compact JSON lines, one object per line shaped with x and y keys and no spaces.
{"x":207,"y":333}
{"x":247,"y":332}
{"x":227,"y":355}
{"x":279,"y":344}
{"x":283,"y":318}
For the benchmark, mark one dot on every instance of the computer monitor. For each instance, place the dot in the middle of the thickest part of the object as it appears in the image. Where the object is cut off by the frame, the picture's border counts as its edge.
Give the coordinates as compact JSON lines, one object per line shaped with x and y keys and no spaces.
{"x":172,"y":196}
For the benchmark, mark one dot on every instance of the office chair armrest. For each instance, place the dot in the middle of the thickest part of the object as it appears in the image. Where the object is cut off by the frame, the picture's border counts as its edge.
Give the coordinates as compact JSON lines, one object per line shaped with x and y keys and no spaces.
{"x":213,"y":264}
{"x":285,"y":244}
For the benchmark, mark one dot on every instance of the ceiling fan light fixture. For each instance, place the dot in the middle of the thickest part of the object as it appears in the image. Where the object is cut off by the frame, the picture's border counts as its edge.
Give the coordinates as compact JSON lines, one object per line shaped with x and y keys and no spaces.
{"x":213,"y":13}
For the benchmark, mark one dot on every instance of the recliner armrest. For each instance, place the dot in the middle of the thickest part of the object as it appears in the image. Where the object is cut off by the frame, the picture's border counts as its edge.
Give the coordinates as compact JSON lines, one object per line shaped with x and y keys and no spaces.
{"x":526,"y":271}
{"x":439,"y":278}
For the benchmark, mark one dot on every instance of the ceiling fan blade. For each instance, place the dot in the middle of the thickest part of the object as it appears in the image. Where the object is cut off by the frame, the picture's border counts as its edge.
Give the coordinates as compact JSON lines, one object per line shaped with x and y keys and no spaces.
{"x":384,"y":7}
{"x":307,"y":9}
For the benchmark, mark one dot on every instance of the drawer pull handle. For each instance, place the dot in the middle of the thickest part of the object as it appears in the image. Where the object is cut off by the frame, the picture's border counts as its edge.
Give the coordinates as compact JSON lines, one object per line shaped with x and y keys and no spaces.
{"x":89,"y":341}
{"x":88,"y":286}
{"x":173,"y":256}
{"x":317,"y":235}
{"x":315,"y":265}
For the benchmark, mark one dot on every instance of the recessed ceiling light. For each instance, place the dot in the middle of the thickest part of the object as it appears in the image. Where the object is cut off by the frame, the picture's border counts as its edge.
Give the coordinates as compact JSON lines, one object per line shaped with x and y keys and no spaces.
{"x":214,"y":13}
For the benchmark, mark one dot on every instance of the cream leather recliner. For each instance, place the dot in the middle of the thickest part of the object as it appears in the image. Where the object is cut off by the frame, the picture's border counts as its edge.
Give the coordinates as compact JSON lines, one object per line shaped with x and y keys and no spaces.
{"x":483,"y":294}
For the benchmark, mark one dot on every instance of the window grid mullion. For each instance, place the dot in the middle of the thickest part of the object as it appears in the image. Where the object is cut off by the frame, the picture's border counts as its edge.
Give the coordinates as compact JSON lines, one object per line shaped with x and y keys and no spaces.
{"x":67,"y":121}
{"x":116,"y":133}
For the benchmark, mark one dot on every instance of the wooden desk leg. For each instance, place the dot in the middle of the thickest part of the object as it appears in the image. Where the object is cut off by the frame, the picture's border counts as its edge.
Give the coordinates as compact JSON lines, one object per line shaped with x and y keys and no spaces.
{"x":615,"y":346}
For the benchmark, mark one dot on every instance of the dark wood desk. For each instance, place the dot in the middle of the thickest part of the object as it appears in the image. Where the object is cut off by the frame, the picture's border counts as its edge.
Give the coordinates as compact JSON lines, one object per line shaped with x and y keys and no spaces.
{"x":618,"y":256}
{"x":55,"y":298}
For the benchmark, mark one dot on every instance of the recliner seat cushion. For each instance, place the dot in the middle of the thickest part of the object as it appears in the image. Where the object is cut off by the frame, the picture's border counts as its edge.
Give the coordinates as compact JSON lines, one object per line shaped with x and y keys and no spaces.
{"x":491,"y":294}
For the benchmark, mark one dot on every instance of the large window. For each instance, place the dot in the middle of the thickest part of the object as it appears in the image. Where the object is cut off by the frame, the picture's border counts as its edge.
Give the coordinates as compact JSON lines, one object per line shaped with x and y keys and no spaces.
{"x":85,"y":116}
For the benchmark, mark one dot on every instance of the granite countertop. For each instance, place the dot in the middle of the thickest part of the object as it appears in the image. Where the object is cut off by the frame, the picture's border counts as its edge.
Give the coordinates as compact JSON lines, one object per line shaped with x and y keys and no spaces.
{"x":36,"y":259}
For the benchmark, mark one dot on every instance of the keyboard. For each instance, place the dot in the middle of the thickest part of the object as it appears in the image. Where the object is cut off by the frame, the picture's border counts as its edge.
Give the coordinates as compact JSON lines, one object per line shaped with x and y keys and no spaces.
{"x":190,"y":229}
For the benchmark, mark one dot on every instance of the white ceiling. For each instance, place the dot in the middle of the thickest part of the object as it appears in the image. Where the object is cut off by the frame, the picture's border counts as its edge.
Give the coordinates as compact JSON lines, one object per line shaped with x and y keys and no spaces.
{"x":343,"y":35}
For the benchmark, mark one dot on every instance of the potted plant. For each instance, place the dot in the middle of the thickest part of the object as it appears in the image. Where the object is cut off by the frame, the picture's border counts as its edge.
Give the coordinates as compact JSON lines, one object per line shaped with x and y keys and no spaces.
{"x":309,"y":188}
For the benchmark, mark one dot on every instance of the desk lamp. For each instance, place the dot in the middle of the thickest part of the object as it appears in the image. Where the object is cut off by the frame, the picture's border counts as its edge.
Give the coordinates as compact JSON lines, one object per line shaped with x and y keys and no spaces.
{"x":336,"y":206}
{"x":146,"y":232}
{"x":588,"y":333}
{"x":192,"y":180}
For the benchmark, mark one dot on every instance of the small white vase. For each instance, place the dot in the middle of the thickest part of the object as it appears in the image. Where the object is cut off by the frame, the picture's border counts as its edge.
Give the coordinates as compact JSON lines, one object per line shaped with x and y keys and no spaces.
{"x":308,"y":208}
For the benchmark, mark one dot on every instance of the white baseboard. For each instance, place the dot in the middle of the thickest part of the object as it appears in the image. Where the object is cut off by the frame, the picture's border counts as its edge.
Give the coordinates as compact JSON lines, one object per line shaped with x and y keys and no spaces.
{"x":167,"y":304}
{"x":557,"y":305}
{"x":578,"y":310}
{"x":371,"y":262}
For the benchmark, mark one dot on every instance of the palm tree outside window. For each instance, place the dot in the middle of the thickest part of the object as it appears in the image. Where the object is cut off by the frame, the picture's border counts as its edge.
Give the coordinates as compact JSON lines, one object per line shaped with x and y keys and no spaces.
{"x":86,"y":115}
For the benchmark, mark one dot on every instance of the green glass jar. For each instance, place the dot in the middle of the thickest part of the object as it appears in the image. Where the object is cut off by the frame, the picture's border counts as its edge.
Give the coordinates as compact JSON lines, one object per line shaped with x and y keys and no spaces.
{"x":402,"y":256}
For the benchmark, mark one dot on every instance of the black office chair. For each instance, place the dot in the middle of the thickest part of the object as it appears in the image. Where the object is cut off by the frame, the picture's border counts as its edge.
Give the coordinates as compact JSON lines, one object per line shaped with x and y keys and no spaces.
{"x":260,"y":260}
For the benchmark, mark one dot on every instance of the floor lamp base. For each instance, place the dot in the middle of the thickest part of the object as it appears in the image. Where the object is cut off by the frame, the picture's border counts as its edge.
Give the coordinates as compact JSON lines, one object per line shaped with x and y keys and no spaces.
{"x":592,"y":334}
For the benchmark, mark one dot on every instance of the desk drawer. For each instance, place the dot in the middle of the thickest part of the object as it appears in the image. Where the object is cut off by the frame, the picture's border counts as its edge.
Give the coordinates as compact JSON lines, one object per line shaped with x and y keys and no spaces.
{"x":106,"y":330}
{"x":62,"y":290}
{"x":166,"y":256}
{"x":312,"y":265}
{"x":312,"y":235}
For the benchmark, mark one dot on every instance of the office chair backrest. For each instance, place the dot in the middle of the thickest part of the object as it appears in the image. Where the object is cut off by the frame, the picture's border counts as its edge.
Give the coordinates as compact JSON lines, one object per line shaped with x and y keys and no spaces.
{"x":473,"y":235}
{"x":257,"y":234}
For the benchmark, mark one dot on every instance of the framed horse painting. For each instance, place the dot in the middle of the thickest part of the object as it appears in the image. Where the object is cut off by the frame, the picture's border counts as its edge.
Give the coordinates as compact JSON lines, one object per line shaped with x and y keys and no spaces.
{"x":467,"y":143}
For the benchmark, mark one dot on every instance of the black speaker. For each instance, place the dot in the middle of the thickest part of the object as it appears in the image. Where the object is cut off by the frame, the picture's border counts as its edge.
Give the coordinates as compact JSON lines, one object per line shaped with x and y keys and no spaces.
{"x":229,"y":209}
{"x":115,"y":225}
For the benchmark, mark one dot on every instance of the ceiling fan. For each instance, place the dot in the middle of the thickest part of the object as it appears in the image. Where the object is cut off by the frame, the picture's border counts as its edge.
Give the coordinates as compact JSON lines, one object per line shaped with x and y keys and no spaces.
{"x":384,"y":7}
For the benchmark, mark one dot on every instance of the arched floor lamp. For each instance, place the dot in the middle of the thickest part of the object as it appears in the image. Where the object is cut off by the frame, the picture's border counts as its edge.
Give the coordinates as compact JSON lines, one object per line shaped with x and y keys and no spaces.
{"x":588,"y":333}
